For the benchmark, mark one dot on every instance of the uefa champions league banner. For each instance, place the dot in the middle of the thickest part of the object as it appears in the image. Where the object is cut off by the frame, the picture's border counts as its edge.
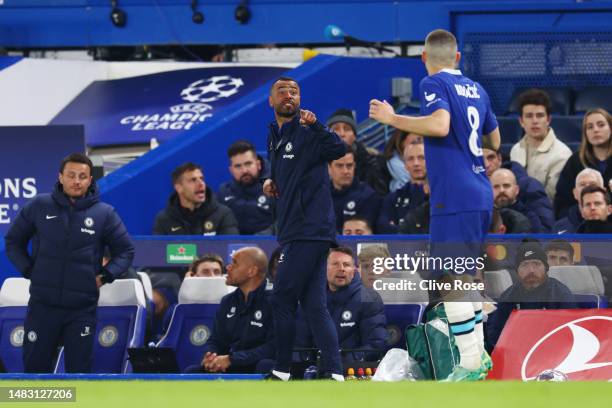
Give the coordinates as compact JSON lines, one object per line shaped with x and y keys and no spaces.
{"x":162,"y":105}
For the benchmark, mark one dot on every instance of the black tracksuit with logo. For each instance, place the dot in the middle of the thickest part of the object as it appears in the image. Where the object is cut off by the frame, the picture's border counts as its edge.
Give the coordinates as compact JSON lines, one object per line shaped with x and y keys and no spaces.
{"x":68,"y":241}
{"x":211,"y":218}
{"x":299,"y":156}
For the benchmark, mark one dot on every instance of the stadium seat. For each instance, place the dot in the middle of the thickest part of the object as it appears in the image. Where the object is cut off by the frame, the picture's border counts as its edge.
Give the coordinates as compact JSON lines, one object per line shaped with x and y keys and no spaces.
{"x":400,"y":316}
{"x":568,"y":129}
{"x":121,"y":325}
{"x":560,"y":99}
{"x":192,"y":319}
{"x":147,"y":286}
{"x":510,"y":129}
{"x":580,"y":279}
{"x":14,"y":297}
{"x":593,"y":97}
{"x":496,"y":282}
{"x":584,"y":281}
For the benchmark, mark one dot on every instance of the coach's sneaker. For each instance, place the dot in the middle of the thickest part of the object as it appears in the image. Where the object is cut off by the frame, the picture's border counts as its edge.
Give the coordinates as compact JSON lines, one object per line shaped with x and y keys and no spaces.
{"x":486,"y":362}
{"x":330,"y":376}
{"x":463,"y":374}
{"x":277,"y":376}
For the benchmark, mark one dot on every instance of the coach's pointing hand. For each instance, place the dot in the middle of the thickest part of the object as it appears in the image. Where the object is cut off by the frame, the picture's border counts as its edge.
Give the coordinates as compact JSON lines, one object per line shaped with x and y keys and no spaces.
{"x":269,"y":189}
{"x":307,"y":117}
{"x":381,"y":111}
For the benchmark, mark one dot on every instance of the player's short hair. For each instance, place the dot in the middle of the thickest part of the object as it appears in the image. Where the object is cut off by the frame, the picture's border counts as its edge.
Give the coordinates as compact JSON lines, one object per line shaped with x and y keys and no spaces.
{"x":441,"y":47}
{"x":282,"y":78}
{"x":207,"y":258}
{"x":239,"y":147}
{"x":182,"y":169}
{"x":358,"y":218}
{"x":76,"y":158}
{"x":591,"y":190}
{"x":560,"y":245}
{"x":534,"y":97}
{"x":378,"y":250}
{"x":344,"y":250}
{"x":348,"y":151}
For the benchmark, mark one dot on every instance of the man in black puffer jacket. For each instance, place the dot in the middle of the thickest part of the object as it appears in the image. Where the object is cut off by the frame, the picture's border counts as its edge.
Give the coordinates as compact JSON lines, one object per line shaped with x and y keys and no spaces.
{"x":192,"y":209}
{"x":69,"y":230}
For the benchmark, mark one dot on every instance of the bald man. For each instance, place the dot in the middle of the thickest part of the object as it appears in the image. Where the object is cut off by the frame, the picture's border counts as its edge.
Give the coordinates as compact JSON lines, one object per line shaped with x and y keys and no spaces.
{"x":505,"y":195}
{"x":242,"y":335}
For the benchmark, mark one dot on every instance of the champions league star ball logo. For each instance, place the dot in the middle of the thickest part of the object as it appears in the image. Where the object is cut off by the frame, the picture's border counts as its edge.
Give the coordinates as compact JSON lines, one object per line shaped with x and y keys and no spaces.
{"x":212,"y":89}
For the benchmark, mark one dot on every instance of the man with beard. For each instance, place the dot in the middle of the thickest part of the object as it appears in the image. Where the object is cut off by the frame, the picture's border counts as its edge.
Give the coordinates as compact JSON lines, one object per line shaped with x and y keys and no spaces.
{"x":531,"y":191}
{"x":299,"y":148}
{"x":244,"y":194}
{"x":505,"y":195}
{"x":68,"y":230}
{"x":534,"y":290}
{"x":192,"y":209}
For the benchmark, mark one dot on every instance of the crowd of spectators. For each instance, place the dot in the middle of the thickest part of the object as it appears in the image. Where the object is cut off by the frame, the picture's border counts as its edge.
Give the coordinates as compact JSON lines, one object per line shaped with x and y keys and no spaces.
{"x":541,"y":187}
{"x":537,"y":188}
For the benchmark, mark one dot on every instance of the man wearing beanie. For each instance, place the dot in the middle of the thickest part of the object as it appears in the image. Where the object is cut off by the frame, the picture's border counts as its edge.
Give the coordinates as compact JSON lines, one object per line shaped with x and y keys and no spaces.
{"x":534,"y":290}
{"x":368,"y":168}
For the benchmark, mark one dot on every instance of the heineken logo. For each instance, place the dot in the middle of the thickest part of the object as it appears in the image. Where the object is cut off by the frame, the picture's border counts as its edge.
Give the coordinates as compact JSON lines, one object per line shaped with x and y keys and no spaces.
{"x":181,"y":253}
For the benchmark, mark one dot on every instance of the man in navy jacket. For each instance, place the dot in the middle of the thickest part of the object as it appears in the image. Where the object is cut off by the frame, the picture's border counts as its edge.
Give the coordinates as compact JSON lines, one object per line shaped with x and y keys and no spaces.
{"x":242,"y":334}
{"x":352,"y":198}
{"x":244,"y":194}
{"x":299,"y":148}
{"x":69,"y":230}
{"x":531,"y":191}
{"x":358,"y":312}
{"x":398,"y":204}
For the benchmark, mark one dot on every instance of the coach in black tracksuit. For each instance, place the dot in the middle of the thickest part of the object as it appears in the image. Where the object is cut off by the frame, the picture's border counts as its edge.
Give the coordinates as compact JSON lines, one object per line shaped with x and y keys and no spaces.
{"x":69,"y":230}
{"x":299,"y":148}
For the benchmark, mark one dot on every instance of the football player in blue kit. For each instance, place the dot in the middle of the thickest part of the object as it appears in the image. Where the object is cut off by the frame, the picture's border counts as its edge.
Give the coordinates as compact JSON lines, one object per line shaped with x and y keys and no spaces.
{"x":455,"y":114}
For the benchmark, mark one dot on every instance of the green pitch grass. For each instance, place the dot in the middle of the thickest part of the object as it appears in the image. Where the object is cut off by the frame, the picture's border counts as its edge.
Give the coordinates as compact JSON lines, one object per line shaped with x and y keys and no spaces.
{"x":315,"y":394}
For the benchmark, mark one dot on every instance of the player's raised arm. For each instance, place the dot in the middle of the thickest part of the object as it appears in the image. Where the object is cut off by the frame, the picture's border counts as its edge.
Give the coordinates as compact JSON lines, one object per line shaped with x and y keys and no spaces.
{"x":435,"y":125}
{"x":495,"y":138}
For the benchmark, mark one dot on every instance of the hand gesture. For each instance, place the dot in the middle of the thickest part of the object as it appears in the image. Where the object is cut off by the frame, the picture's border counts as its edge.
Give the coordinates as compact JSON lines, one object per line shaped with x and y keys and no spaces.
{"x":208,"y":360}
{"x":381,"y":111}
{"x":307,"y":117}
{"x":220,"y":364}
{"x":269,"y":189}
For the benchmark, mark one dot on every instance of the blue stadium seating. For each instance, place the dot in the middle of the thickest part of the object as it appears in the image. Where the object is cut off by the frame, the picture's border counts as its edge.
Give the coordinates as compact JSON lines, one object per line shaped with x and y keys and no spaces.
{"x":121,"y":325}
{"x":568,"y":129}
{"x":400,"y":316}
{"x":192,"y":319}
{"x":593,"y":97}
{"x":14,"y":296}
{"x":561,"y":99}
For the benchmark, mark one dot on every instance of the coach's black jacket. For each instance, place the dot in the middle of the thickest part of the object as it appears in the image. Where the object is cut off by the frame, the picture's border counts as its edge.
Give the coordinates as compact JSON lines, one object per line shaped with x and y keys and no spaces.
{"x":68,"y":241}
{"x":211,"y":218}
{"x":298,"y":156}
{"x":244,"y":330}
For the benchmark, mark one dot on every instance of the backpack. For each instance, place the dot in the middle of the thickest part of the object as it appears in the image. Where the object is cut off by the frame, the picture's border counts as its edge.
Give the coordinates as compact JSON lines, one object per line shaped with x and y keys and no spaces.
{"x":432,"y":344}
